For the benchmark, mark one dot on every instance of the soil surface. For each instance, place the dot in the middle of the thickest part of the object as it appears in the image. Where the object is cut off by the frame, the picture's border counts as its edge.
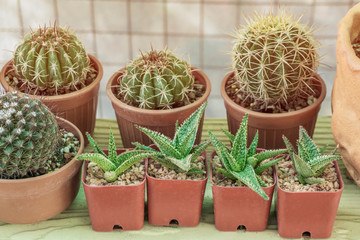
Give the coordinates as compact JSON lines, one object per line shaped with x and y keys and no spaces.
{"x":134,"y":175}
{"x":159,"y":171}
{"x":244,"y":100}
{"x":220,"y":180}
{"x":22,"y":86}
{"x":289,"y":182}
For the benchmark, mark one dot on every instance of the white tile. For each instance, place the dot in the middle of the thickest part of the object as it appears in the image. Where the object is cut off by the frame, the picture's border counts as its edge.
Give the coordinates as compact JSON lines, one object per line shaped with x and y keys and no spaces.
{"x":106,"y":107}
{"x":147,"y":17}
{"x":9,"y":17}
{"x":328,"y":77}
{"x":219,"y":18}
{"x":37,"y":13}
{"x":215,"y":109}
{"x":216,"y":52}
{"x":215,"y":76}
{"x":109,"y":70}
{"x":329,"y":25}
{"x":112,"y":48}
{"x":110,"y":15}
{"x":183,"y":18}
{"x":328,"y":53}
{"x":284,"y":2}
{"x":248,"y":11}
{"x":8,"y":44}
{"x":187,"y":47}
{"x":144,"y":42}
{"x":87,"y":40}
{"x":76,"y":14}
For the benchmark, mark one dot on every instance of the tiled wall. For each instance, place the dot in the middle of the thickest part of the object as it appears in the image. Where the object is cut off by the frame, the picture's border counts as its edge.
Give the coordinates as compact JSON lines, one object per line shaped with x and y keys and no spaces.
{"x":115,"y":30}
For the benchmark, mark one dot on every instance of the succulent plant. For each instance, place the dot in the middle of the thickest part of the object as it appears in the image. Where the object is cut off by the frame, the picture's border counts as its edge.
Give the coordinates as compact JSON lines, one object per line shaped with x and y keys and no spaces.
{"x":29,"y":135}
{"x":113,"y":165}
{"x":157,"y":79}
{"x":51,"y":57}
{"x":179,"y":153}
{"x":309,"y":163}
{"x":275,"y":58}
{"x":242,"y":164}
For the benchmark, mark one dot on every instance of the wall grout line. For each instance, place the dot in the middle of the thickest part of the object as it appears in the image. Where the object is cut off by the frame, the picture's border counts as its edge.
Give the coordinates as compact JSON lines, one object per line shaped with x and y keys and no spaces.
{"x":165,"y":23}
{"x":129,"y":29}
{"x":201,"y":42}
{"x":21,"y":20}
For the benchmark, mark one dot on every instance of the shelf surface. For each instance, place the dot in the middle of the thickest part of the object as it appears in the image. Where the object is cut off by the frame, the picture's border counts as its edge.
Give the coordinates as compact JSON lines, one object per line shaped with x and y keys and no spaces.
{"x":74,"y":223}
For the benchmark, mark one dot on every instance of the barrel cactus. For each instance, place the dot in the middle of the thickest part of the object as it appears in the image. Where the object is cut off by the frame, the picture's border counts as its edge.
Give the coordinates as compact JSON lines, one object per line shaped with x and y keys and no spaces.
{"x":157,"y":79}
{"x":275,"y":58}
{"x":51,"y":57}
{"x":29,"y":135}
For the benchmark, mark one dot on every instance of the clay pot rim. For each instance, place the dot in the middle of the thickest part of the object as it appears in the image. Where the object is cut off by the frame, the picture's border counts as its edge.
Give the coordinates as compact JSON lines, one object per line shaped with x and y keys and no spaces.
{"x":228,"y":100}
{"x":84,"y":174}
{"x":341,"y":183}
{"x":213,"y":153}
{"x":84,"y":90}
{"x":162,"y":112}
{"x":66,"y":167}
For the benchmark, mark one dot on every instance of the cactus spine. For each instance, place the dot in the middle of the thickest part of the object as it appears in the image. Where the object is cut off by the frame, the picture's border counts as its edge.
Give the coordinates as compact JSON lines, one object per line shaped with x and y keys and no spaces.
{"x":274,"y":58}
{"x":156,"y":80}
{"x":29,"y":135}
{"x":51,"y":57}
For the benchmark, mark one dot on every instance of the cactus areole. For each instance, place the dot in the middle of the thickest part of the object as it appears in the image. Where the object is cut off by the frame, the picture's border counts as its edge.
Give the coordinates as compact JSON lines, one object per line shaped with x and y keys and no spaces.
{"x":275,"y":59}
{"x":52,"y":58}
{"x":157,"y":79}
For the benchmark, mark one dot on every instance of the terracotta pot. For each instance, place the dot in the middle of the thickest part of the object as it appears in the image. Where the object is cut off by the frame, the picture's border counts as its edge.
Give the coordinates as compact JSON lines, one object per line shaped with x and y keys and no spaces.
{"x":272,"y":126}
{"x":345,"y":94}
{"x":159,"y":120}
{"x":179,"y":200}
{"x":111,"y":207}
{"x":240,"y":206}
{"x":307,"y":212}
{"x":39,"y":198}
{"x":78,"y":107}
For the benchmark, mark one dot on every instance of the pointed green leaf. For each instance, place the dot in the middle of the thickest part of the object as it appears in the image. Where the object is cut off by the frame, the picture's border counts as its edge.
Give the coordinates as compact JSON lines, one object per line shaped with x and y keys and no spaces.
{"x":163,"y":161}
{"x":183,"y":164}
{"x":268,"y":154}
{"x":229,"y":135}
{"x":195,"y":171}
{"x":123,"y":157}
{"x":320,"y":171}
{"x":252,"y":149}
{"x":112,"y":150}
{"x":289,"y":146}
{"x":302,"y":167}
{"x":261,"y":168}
{"x":322,"y":161}
{"x":95,"y":146}
{"x":313,"y":180}
{"x":125,"y":165}
{"x":240,"y":143}
{"x":309,"y":144}
{"x":199,"y":150}
{"x":303,"y":152}
{"x":226,"y":173}
{"x":103,"y":163}
{"x":301,"y":179}
{"x":139,"y":146}
{"x":187,"y":144}
{"x":248,"y":177}
{"x":162,"y":142}
{"x":260,"y":181}
{"x":322,"y":150}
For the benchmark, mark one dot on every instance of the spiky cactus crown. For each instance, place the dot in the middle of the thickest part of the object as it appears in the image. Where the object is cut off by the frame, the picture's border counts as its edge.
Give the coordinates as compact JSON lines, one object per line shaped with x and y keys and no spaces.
{"x":29,"y":135}
{"x":242,"y":164}
{"x":51,"y":57}
{"x":308,"y":162}
{"x":274,"y":58}
{"x":157,"y":79}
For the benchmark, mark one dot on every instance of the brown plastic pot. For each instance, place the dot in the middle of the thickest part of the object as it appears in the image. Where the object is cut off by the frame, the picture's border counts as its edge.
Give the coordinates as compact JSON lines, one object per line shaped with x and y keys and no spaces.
{"x":345,"y":94}
{"x":39,"y":198}
{"x":272,"y":126}
{"x":114,"y":207}
{"x":163,"y":121}
{"x":78,"y":107}
{"x":307,"y":212}
{"x":238,"y":207}
{"x":178,"y":201}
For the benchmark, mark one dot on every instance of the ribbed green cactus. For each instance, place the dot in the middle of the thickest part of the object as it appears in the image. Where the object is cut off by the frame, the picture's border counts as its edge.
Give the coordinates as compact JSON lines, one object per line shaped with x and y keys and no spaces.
{"x":274,"y":58}
{"x":156,"y":80}
{"x":51,"y":57}
{"x":29,"y":135}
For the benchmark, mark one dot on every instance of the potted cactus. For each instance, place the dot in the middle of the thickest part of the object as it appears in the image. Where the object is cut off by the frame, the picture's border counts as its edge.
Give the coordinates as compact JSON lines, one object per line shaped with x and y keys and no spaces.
{"x":274,"y":80}
{"x":39,"y":177}
{"x":155,"y":90}
{"x":114,"y":186}
{"x":243,"y":175}
{"x":309,"y":190}
{"x":51,"y":64}
{"x":176,"y":178}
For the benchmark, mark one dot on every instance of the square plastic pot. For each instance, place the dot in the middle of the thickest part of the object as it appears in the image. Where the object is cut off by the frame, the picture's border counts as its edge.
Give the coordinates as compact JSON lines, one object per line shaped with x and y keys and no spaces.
{"x":175,"y":201}
{"x":115,"y":207}
{"x":308,"y":213}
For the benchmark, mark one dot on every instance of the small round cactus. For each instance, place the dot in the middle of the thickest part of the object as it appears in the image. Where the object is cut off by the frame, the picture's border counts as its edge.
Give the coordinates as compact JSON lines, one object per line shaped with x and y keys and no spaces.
{"x":29,"y":135}
{"x":157,"y":79}
{"x":52,"y":58}
{"x":274,"y":58}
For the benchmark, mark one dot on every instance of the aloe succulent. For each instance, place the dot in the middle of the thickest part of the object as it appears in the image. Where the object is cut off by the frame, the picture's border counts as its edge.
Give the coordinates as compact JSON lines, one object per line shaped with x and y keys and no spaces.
{"x":112,"y":164}
{"x":309,"y":163}
{"x":244,"y":164}
{"x":179,"y":153}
